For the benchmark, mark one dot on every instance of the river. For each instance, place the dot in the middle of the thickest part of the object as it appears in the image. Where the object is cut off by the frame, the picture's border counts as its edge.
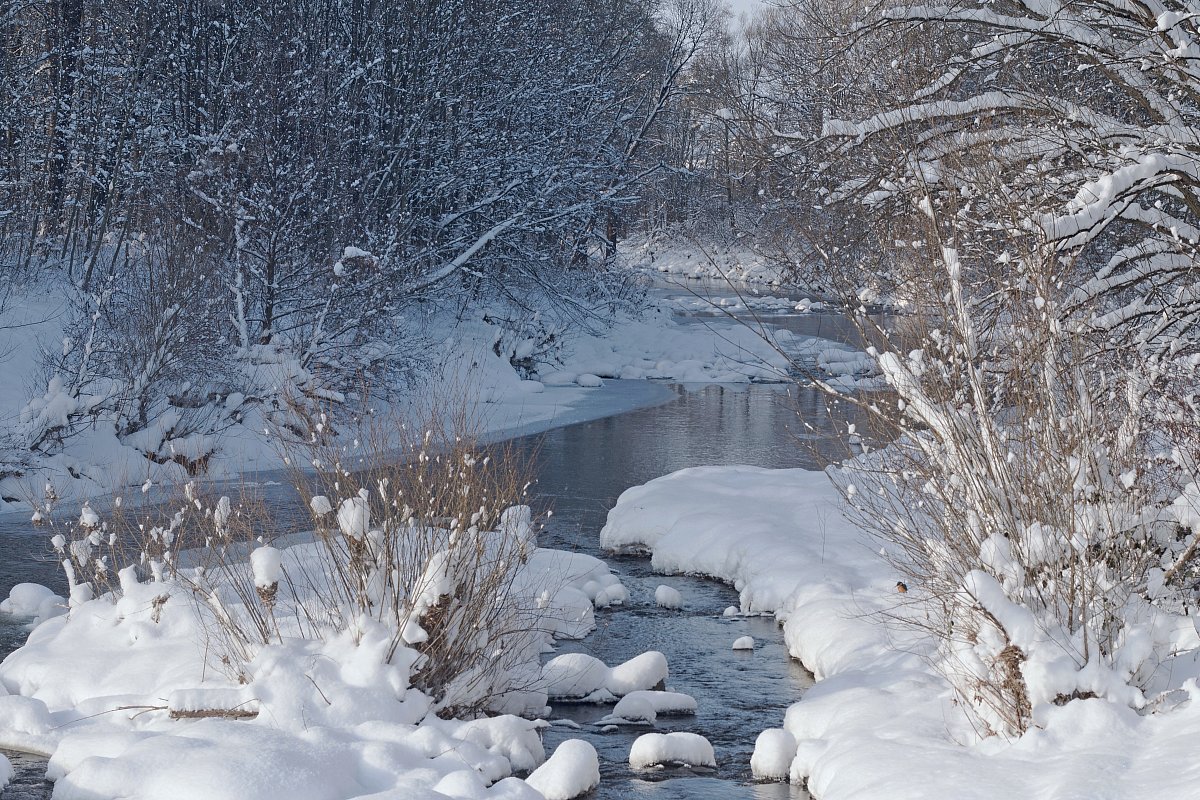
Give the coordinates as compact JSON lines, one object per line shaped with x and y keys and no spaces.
{"x":581,"y":470}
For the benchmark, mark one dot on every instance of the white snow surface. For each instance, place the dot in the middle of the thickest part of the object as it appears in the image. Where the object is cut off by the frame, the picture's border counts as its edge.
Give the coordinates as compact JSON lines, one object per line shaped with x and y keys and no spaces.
{"x":668,"y":597}
{"x":573,"y":769}
{"x":34,"y":601}
{"x":266,"y":562}
{"x":96,"y":691}
{"x":773,"y":753}
{"x":647,"y":706}
{"x":677,"y":747}
{"x":880,"y":722}
{"x":676,"y":253}
{"x":585,"y":678}
{"x":580,"y":376}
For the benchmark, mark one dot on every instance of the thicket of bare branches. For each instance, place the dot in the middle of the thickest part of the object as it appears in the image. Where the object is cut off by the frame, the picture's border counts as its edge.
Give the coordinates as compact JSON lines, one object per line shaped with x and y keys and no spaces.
{"x":1018,"y":181}
{"x":421,"y":533}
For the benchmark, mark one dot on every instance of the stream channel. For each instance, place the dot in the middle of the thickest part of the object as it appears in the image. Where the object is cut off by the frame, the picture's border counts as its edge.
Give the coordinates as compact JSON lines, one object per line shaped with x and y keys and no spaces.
{"x":582,"y":469}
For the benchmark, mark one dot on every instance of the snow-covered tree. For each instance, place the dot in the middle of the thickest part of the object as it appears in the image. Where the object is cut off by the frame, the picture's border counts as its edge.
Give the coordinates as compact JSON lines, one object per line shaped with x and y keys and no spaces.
{"x":1034,"y":206}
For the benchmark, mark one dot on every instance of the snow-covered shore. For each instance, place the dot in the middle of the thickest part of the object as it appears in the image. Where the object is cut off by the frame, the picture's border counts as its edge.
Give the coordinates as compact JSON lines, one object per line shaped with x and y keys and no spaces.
{"x":128,"y":697}
{"x":506,"y":384}
{"x":881,"y":722}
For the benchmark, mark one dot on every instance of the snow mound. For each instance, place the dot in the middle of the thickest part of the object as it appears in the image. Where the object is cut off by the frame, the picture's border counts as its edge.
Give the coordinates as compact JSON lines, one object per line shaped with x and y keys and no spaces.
{"x":773,"y":753}
{"x":573,"y":676}
{"x":33,"y":600}
{"x":647,"y":706}
{"x":584,"y":678}
{"x":572,"y":770}
{"x":647,"y":671}
{"x":589,"y":381}
{"x":744,"y":643}
{"x":677,"y":747}
{"x":668,"y":597}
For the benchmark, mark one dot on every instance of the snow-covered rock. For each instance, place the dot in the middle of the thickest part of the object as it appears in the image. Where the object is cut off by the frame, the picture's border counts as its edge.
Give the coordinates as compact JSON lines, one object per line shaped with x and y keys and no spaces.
{"x":573,"y":676}
{"x":34,"y":601}
{"x":647,"y":706}
{"x":773,"y":753}
{"x":646,"y":671}
{"x":572,"y":770}
{"x":743,"y":643}
{"x":677,"y":747}
{"x":668,"y":597}
{"x":585,"y":678}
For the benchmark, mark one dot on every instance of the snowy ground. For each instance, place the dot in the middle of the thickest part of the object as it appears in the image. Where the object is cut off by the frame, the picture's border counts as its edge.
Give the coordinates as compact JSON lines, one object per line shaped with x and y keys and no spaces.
{"x":881,"y":722}
{"x":681,"y":255}
{"x":579,"y":376}
{"x":128,"y":695}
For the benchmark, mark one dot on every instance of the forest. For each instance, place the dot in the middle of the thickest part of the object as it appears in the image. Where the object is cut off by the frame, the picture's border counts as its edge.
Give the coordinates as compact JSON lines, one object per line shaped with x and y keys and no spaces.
{"x":236,"y":234}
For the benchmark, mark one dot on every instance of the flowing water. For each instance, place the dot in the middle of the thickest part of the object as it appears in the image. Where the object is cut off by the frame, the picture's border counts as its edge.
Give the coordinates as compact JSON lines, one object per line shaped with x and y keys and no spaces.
{"x":582,"y":469}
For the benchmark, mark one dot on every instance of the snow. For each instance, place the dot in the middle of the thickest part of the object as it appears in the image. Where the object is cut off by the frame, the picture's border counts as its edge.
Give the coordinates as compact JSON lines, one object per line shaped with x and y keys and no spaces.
{"x":668,"y":597}
{"x":677,"y":747}
{"x":34,"y":601}
{"x":266,"y":563}
{"x":579,"y":676}
{"x":574,"y":675}
{"x":744,"y":643}
{"x":647,"y":706}
{"x":880,"y":713}
{"x":645,"y":671}
{"x":87,"y":517}
{"x":580,"y":376}
{"x":678,"y":254}
{"x":354,"y":517}
{"x":128,"y":697}
{"x":773,"y":753}
{"x":573,"y":769}
{"x":320,"y":505}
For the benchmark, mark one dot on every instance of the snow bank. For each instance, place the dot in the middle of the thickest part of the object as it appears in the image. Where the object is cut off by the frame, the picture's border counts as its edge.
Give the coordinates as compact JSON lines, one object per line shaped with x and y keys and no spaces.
{"x":130,"y":696}
{"x":572,"y":770}
{"x":677,"y":747}
{"x":677,"y":254}
{"x":879,"y":715}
